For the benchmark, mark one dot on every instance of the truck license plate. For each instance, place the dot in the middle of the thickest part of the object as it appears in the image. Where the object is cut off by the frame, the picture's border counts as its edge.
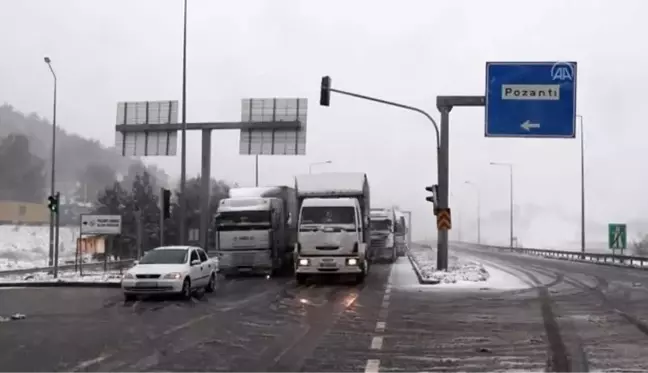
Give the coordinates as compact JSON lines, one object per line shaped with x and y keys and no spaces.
{"x":328,"y":264}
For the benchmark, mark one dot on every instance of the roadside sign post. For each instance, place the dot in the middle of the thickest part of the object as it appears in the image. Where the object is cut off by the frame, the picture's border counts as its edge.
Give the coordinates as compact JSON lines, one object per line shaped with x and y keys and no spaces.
{"x":91,"y":224}
{"x":617,"y":237}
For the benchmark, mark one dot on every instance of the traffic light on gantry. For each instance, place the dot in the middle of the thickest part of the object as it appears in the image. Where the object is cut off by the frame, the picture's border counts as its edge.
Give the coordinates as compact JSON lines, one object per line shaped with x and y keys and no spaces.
{"x":325,"y":91}
{"x":53,"y":203}
{"x":166,"y":203}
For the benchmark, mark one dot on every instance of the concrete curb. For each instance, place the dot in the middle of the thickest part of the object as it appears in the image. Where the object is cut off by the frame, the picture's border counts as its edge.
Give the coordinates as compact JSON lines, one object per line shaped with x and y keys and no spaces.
{"x":58,"y":284}
{"x":417,"y":270}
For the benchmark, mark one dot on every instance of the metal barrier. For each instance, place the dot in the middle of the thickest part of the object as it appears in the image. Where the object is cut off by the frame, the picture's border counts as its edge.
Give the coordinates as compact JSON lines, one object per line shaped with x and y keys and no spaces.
{"x":65,"y":267}
{"x":598,"y":258}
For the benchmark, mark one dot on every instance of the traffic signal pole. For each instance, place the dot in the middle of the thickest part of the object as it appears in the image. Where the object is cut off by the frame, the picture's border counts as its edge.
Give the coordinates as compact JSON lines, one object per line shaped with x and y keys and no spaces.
{"x":444,"y":105}
{"x":56,"y":234}
{"x":165,"y":210}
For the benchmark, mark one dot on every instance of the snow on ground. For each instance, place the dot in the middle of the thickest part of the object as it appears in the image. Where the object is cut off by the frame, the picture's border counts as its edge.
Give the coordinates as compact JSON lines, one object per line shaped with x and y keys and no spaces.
{"x":463,"y":271}
{"x":28,"y":246}
{"x":66,"y":276}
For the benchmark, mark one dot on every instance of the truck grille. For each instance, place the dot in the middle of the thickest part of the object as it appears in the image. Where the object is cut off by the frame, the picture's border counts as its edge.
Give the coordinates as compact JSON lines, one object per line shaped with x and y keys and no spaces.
{"x":244,"y":259}
{"x":327,"y":248}
{"x":378,"y":243}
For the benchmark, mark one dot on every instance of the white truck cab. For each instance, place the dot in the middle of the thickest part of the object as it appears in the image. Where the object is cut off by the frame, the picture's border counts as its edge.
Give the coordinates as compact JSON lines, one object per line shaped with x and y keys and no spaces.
{"x":333,"y":226}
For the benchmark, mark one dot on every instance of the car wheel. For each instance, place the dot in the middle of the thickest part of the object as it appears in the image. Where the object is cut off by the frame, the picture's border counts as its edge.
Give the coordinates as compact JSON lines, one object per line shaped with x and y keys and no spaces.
{"x":186,"y":289}
{"x":129,"y":297}
{"x":211,"y":285}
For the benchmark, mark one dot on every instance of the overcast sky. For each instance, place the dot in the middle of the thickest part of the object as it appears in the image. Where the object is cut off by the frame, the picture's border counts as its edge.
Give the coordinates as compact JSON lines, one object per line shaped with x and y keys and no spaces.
{"x":105,"y":51}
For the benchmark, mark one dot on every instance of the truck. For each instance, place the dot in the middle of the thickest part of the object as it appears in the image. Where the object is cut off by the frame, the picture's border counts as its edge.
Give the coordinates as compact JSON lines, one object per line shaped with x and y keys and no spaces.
{"x":334,"y":227}
{"x":256,"y":230}
{"x":383,"y":242}
{"x":400,"y":233}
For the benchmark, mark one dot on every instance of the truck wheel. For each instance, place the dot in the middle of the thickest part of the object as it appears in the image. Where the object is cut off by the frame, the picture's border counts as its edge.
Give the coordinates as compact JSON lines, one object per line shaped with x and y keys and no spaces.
{"x":360,"y":278}
{"x":301,"y":279}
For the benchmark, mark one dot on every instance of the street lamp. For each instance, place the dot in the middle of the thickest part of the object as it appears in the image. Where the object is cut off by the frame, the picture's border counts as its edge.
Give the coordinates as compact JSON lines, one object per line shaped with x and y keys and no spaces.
{"x":48,"y":61}
{"x":510,"y":166}
{"x":468,"y":182}
{"x":582,"y":159}
{"x":310,"y":166}
{"x":183,"y":152}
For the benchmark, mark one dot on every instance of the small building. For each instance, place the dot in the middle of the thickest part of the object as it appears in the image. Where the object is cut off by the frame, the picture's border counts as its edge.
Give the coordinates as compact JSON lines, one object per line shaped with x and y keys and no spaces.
{"x":13,"y":212}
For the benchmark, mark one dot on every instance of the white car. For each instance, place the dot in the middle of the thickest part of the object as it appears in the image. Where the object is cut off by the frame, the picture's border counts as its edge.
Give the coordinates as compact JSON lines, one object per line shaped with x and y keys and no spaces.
{"x":171,"y":270}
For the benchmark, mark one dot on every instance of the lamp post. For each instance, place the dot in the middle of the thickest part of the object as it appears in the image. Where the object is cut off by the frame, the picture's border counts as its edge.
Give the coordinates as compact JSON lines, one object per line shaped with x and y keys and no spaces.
{"x":48,"y":61}
{"x":510,"y":167}
{"x":183,"y":153}
{"x":310,"y":166}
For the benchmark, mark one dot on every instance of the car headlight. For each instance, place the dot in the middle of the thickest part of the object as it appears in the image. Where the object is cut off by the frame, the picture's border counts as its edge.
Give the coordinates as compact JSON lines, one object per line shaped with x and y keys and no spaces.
{"x":128,"y":275}
{"x":352,"y":261}
{"x":173,"y":276}
{"x":304,"y":262}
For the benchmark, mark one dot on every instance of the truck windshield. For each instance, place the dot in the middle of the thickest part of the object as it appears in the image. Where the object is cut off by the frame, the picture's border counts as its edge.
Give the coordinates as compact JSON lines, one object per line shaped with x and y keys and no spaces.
{"x":381,"y":225}
{"x":237,"y":220}
{"x":328,"y":215}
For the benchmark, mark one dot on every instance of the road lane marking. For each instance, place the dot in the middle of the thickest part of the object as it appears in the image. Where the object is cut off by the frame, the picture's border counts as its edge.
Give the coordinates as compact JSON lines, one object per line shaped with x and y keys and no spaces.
{"x":372,"y":366}
{"x":87,"y":363}
{"x":376,"y":343}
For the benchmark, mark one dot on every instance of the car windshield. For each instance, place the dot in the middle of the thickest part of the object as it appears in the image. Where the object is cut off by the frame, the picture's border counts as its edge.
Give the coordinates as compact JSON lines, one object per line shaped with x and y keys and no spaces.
{"x":165,"y":256}
{"x":380,"y":225}
{"x":328,"y":215}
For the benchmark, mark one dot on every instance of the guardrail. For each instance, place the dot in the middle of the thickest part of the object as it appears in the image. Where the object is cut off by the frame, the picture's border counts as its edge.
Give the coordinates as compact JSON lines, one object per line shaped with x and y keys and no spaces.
{"x":64,"y":267}
{"x":597,"y":258}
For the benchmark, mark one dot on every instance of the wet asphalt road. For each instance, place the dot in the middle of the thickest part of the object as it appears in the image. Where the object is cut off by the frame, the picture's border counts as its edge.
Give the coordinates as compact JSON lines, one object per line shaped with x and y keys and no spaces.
{"x":572,"y":317}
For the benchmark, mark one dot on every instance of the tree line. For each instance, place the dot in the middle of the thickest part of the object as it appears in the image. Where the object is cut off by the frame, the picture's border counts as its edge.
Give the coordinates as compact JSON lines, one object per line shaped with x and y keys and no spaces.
{"x":140,"y":192}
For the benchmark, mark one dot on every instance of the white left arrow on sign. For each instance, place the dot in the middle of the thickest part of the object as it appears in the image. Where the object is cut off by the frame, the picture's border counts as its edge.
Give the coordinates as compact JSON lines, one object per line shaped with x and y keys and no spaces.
{"x":528,"y":125}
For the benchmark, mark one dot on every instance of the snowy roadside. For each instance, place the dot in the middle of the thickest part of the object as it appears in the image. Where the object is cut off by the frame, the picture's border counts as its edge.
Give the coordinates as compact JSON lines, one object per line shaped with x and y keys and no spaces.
{"x":113,"y":277}
{"x":464,"y":271}
{"x":459,"y":269}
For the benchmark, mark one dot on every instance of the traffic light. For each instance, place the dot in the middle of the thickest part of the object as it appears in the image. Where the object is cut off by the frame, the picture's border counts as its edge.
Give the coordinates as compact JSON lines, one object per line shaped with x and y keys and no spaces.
{"x":166,"y":203}
{"x":53,"y":202}
{"x":325,"y":91}
{"x":434,"y":198}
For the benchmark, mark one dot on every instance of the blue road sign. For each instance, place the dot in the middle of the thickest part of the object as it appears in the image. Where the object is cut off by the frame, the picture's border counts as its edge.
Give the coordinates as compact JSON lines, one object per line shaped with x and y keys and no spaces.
{"x":531,"y":99}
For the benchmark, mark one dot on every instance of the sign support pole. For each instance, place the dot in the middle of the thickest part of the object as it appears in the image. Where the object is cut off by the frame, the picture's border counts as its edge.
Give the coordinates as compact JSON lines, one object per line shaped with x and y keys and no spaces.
{"x":205,"y":188}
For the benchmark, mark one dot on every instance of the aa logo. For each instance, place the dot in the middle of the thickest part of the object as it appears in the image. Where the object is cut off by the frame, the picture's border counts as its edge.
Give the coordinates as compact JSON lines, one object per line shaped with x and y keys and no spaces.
{"x":562,"y":71}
